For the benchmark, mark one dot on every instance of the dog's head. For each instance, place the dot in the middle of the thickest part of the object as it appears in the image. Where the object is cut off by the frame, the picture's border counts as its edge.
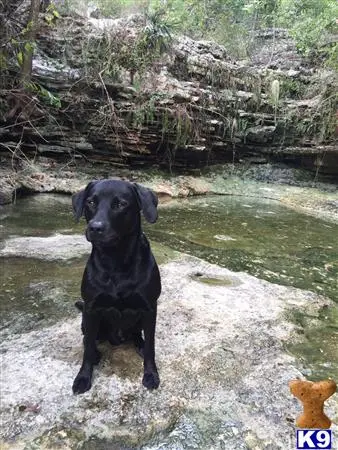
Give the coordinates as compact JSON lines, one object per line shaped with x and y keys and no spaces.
{"x":112,"y":209}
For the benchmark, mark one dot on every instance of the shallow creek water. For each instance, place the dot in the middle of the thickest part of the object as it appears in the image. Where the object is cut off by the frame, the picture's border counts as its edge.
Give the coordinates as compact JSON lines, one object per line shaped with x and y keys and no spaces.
{"x":261,"y":237}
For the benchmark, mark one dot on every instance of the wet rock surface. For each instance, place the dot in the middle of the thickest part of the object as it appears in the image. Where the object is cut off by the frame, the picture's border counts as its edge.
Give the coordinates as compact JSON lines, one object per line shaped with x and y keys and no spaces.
{"x":58,"y":247}
{"x":224,"y":373}
{"x":223,"y":340}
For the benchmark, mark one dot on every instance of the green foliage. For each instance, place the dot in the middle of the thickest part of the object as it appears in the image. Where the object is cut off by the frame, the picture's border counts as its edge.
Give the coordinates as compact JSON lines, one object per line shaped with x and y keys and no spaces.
{"x":331,"y":56}
{"x":310,"y":22}
{"x":156,"y":35}
{"x":233,"y":22}
{"x":21,"y":48}
{"x":183,"y":126}
{"x":19,"y":57}
{"x":136,"y":54}
{"x":45,"y":95}
{"x":3,"y":61}
{"x":144,"y":113}
{"x":117,"y":8}
{"x":292,"y":88}
{"x":52,"y":14}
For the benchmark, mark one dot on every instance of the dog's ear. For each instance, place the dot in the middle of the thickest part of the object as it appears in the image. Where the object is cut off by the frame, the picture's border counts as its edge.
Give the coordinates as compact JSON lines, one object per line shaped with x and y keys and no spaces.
{"x":78,"y":200}
{"x":147,"y":201}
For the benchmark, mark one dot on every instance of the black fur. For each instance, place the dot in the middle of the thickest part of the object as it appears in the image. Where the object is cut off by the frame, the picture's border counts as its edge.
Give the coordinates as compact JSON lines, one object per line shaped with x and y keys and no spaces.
{"x":121,"y":282}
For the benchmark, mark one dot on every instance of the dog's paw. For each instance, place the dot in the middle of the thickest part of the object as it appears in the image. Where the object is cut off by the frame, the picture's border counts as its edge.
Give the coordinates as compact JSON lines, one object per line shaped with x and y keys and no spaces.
{"x":82,"y":383}
{"x":151,"y":380}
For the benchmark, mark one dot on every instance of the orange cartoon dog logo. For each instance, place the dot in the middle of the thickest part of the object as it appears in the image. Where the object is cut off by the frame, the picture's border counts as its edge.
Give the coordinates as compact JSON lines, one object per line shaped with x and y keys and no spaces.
{"x":313,"y":395}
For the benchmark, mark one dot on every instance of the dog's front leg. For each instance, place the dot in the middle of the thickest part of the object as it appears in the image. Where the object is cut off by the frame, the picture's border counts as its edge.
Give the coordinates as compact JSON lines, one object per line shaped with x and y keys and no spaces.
{"x":151,"y":379}
{"x":91,"y":355}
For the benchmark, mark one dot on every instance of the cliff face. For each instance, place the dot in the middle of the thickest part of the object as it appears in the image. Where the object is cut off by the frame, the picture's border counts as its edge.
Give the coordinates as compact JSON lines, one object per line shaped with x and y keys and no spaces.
{"x":190,"y":107}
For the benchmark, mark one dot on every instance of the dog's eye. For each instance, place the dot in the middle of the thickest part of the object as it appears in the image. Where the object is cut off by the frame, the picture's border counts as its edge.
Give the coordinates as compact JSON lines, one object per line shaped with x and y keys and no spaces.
{"x":90,"y":203}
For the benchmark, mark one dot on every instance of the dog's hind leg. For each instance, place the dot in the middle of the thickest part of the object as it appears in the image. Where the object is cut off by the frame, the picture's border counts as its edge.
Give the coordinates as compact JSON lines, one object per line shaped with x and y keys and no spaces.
{"x":79,"y":304}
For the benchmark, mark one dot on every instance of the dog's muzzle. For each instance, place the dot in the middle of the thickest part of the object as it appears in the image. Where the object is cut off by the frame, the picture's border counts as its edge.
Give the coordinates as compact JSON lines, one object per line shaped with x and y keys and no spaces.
{"x":97,"y":233}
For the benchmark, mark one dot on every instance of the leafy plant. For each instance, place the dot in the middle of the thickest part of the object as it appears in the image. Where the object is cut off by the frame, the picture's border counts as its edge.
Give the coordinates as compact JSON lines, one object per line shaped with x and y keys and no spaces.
{"x":135,"y":53}
{"x":51,"y":14}
{"x":156,"y":35}
{"x":45,"y":95}
{"x":311,"y":23}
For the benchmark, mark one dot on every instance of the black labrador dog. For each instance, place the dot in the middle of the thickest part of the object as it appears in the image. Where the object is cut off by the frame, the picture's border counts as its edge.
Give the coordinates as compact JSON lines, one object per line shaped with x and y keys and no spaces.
{"x":121,"y":282}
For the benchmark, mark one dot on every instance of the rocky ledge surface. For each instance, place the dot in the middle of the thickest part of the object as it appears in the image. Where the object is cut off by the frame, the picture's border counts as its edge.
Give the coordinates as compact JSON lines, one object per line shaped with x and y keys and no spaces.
{"x":224,"y":373}
{"x":193,"y":106}
{"x":295,"y":188}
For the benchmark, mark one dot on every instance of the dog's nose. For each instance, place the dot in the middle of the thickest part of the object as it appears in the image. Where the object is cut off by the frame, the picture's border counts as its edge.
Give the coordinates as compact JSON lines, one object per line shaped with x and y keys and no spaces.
{"x":96,"y":227}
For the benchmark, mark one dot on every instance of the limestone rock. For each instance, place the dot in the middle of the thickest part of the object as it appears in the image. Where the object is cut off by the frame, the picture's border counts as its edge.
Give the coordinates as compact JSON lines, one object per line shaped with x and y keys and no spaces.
{"x":192,"y":107}
{"x":224,"y":374}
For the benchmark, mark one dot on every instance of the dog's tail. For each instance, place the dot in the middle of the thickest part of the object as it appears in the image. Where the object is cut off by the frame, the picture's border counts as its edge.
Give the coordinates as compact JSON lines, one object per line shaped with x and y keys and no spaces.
{"x":79,"y":305}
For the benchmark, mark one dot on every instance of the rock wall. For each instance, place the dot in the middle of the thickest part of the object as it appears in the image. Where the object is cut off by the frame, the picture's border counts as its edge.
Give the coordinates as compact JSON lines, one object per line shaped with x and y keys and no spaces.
{"x":194,"y":106}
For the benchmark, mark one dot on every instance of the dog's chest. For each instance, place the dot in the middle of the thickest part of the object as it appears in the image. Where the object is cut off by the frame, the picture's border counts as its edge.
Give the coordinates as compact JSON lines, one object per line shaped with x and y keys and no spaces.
{"x":120,"y":295}
{"x":115,"y":287}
